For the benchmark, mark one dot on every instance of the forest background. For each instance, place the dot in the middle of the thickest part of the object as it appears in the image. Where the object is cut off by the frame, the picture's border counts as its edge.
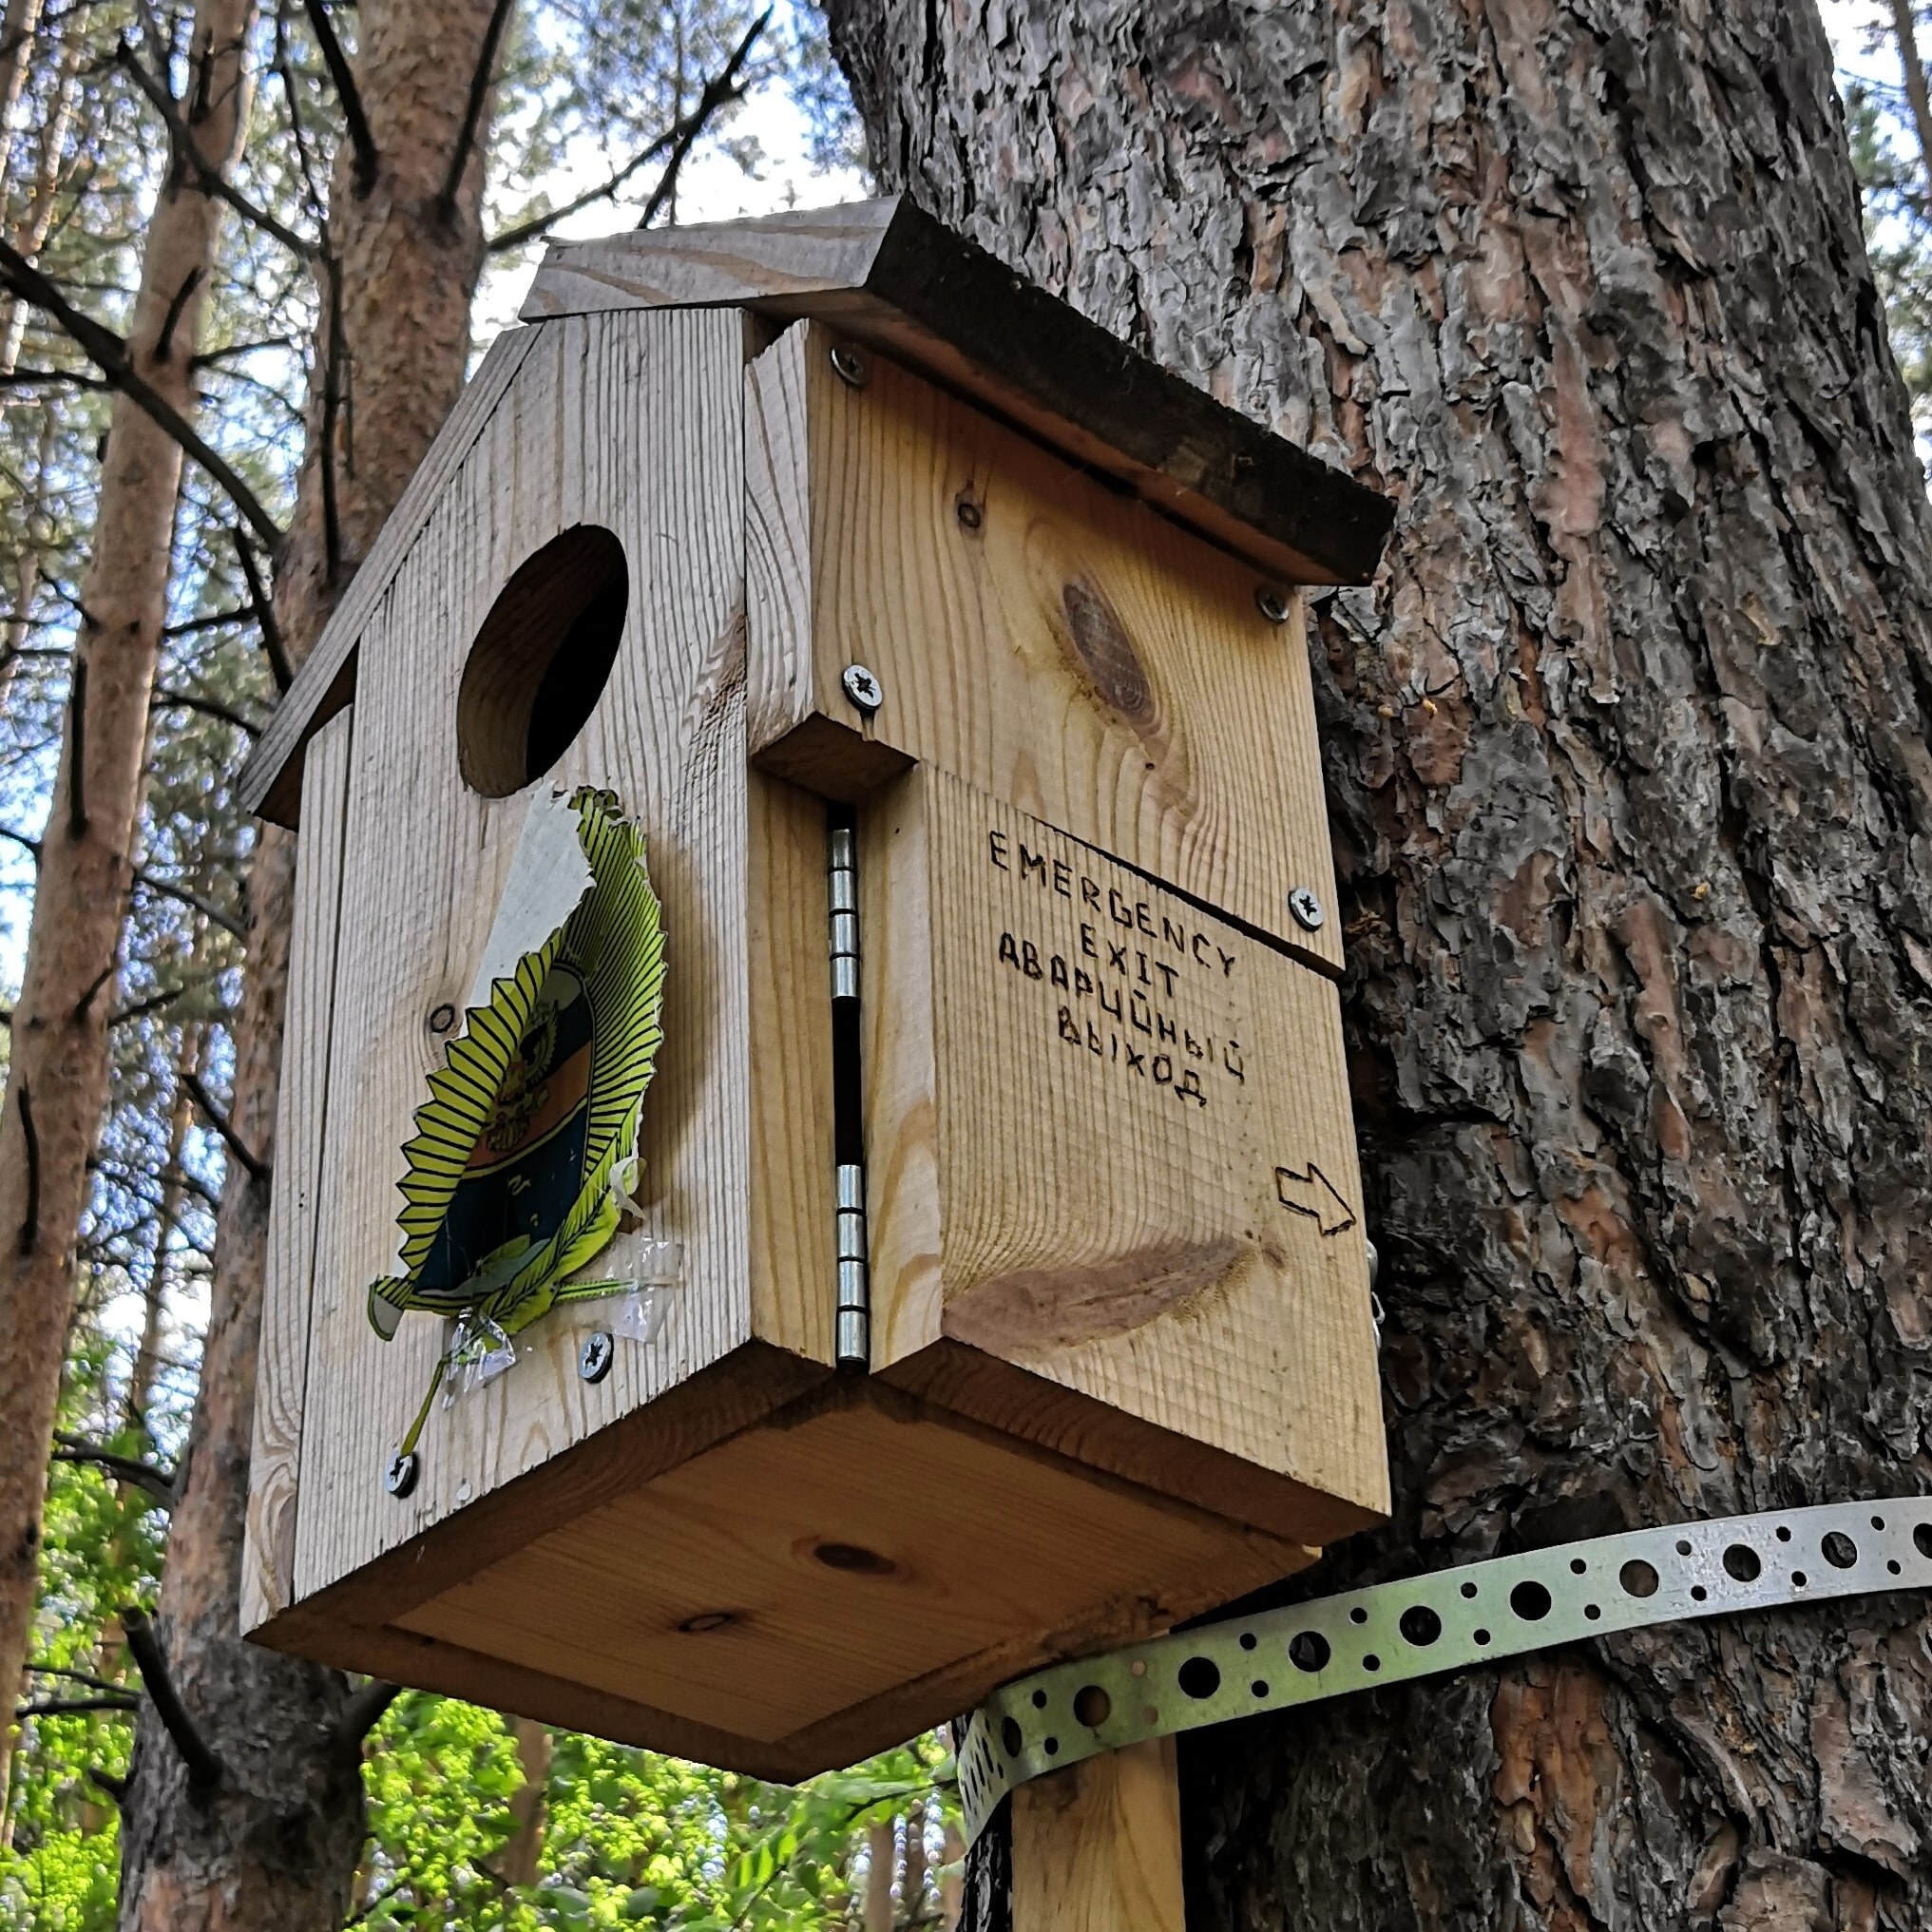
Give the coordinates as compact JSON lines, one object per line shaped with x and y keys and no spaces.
{"x":695,"y":110}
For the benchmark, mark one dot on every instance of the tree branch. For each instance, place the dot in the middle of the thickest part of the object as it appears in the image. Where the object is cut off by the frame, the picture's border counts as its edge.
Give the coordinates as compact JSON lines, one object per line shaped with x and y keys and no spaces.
{"x":150,"y":1479}
{"x":29,"y":1221}
{"x":193,"y":900}
{"x":472,"y":110}
{"x":204,"y":1767}
{"x":719,"y":91}
{"x":210,"y":178}
{"x":208,"y":707}
{"x":353,"y":118}
{"x":364,"y":1710}
{"x":73,"y":1707}
{"x":684,"y":131}
{"x":257,"y":1168}
{"x":280,"y":667}
{"x":110,"y":355}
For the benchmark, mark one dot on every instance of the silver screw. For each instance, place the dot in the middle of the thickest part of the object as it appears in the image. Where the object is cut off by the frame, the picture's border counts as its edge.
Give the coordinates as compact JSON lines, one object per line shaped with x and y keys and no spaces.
{"x":595,"y":1357}
{"x":1272,"y":602}
{"x":863,"y":688}
{"x":851,"y":365}
{"x":1307,"y":910}
{"x":399,"y":1478}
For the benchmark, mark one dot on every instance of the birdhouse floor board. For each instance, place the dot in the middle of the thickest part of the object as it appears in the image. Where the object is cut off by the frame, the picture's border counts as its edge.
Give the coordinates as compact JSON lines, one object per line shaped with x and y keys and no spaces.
{"x":942,"y":1559}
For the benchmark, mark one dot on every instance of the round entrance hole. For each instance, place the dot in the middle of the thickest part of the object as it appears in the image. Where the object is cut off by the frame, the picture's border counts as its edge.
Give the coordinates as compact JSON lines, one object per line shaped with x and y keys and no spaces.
{"x":541,"y":660}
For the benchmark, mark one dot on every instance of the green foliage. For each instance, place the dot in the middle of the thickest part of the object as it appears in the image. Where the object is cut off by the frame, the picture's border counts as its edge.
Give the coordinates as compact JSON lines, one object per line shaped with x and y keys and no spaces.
{"x":629,"y":1837}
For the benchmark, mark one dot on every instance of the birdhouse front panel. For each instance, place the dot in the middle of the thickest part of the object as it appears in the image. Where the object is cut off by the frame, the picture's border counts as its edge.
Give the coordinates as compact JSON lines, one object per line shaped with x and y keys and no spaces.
{"x":815,"y":1169}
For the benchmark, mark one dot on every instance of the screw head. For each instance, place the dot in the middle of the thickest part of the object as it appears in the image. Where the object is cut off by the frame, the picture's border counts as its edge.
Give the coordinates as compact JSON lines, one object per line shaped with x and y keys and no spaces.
{"x":863,"y":687}
{"x":853,"y":365}
{"x":399,"y":1477}
{"x":595,"y":1357}
{"x":443,"y":1017}
{"x":1272,"y":601}
{"x":1307,"y":910}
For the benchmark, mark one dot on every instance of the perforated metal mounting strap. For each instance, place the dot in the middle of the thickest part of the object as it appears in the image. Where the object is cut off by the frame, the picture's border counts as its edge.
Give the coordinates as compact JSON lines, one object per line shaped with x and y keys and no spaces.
{"x":1426,"y":1625}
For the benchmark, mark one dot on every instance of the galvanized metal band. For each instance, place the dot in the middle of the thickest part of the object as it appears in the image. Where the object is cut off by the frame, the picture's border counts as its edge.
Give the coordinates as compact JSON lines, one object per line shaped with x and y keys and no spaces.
{"x":1426,"y":1625}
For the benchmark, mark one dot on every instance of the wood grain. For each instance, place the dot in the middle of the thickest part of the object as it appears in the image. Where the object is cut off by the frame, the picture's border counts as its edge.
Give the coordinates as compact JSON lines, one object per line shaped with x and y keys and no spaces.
{"x":889,"y":275}
{"x":1096,"y":1847}
{"x":778,"y":1583}
{"x":631,"y":421}
{"x":271,"y":780}
{"x":296,"y":1207}
{"x":1110,"y":1145}
{"x":1034,"y":633}
{"x":787,"y":1029}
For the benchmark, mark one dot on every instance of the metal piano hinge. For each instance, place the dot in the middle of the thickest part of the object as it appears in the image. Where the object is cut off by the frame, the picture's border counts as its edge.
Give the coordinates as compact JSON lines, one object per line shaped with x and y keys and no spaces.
{"x":852,"y":1342}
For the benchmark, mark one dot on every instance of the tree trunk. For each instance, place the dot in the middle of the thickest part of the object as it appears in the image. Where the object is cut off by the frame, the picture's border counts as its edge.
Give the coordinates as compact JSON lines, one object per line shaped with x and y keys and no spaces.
{"x":17,"y":24}
{"x":275,"y":1844}
{"x":1632,"y":808}
{"x":57,"y":1084}
{"x":520,"y":1862}
{"x":37,"y":213}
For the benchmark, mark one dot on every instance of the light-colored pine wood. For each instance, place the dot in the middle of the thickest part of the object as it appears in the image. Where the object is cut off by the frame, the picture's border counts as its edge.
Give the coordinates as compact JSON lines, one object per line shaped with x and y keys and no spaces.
{"x":271,"y":781}
{"x":1061,"y":647}
{"x":295,"y":1206}
{"x":1110,"y":1145}
{"x":889,"y":275}
{"x":632,"y":421}
{"x":1026,"y":1556}
{"x":793,"y":1288}
{"x":1096,"y":1847}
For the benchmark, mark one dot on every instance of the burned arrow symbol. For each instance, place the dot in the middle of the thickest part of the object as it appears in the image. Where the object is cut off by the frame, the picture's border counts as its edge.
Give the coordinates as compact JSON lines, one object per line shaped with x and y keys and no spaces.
{"x":1311,"y":1192}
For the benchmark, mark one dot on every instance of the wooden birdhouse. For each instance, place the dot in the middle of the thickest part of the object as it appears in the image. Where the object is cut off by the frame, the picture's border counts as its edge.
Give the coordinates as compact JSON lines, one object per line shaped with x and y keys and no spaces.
{"x":814,"y":1105}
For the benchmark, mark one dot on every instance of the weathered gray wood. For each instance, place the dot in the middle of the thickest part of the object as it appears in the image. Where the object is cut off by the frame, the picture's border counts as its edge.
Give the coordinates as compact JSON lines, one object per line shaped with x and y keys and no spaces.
{"x":1627,"y":761}
{"x":271,"y":782}
{"x":889,"y":275}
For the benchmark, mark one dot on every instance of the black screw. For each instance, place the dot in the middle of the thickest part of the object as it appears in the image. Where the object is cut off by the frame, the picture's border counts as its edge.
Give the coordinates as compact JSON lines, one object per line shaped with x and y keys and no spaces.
{"x":595,"y":1357}
{"x":851,"y":365}
{"x":442,"y":1018}
{"x":399,"y":1478}
{"x":1272,"y":604}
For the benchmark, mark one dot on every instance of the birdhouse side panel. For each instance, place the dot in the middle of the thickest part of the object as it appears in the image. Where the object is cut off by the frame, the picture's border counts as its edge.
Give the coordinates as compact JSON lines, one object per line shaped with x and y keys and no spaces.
{"x":1138,"y":1122}
{"x":631,"y":423}
{"x":1054,"y":643}
{"x":294,"y":1205}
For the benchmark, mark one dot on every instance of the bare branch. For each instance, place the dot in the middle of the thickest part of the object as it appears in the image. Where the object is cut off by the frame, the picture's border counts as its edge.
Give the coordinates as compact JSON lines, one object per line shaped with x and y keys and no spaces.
{"x":257,"y":1168}
{"x":204,"y":1767}
{"x":73,"y":1707}
{"x":280,"y":667}
{"x":194,"y":900}
{"x":110,"y":355}
{"x":210,"y":178}
{"x":353,"y":118}
{"x":188,"y":700}
{"x":364,"y":1710}
{"x":719,"y":91}
{"x":150,"y":1479}
{"x":29,"y":1221}
{"x":472,"y":109}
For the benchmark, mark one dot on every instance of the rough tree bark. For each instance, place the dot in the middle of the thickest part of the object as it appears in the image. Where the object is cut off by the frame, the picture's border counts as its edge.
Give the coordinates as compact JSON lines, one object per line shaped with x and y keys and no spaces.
{"x":57,"y":1082}
{"x":275,"y":1844}
{"x":1629,"y":780}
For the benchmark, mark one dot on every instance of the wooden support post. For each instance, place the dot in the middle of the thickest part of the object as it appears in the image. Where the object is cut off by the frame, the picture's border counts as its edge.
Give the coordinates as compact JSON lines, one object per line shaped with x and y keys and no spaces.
{"x":1096,"y":1847}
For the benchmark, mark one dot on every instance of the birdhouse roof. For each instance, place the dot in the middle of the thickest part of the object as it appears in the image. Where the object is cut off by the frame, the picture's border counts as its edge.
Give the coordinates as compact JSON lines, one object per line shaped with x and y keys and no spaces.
{"x":891,"y":277}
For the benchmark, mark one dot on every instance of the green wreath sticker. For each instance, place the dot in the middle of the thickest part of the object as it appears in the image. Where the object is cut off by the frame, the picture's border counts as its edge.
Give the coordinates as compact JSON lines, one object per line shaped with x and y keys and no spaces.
{"x":524,"y":1154}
